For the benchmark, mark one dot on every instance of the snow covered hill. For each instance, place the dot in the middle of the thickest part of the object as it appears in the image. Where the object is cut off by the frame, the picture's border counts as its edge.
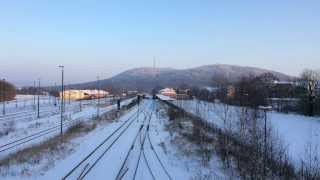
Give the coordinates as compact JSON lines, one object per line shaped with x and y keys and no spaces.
{"x":146,"y":78}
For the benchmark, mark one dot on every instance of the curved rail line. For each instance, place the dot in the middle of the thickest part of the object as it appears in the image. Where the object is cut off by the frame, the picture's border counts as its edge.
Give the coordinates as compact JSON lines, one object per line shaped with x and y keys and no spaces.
{"x":121,"y":173}
{"x":157,"y":156}
{"x":142,"y":152}
{"x":87,"y":169}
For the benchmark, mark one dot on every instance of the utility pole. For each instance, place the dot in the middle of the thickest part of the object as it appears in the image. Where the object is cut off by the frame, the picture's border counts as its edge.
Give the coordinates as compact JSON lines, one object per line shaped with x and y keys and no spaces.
{"x":265,"y":141}
{"x":265,"y":109}
{"x":154,"y":76}
{"x":138,"y":99}
{"x":34,"y":95}
{"x":55,"y":98}
{"x":98,"y":106}
{"x":62,"y":98}
{"x":3,"y":97}
{"x":69,"y":90}
{"x":38,"y":98}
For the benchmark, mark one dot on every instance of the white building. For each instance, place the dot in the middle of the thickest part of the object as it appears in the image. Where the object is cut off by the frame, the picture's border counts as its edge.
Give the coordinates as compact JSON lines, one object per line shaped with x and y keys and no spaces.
{"x":168,"y":92}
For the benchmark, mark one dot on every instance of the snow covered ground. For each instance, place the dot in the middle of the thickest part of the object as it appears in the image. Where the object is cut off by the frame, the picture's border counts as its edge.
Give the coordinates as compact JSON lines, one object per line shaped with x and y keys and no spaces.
{"x":296,"y":131}
{"x":165,"y":98}
{"x":26,"y":102}
{"x":23,"y":129}
{"x":140,"y":162}
{"x":135,"y":146}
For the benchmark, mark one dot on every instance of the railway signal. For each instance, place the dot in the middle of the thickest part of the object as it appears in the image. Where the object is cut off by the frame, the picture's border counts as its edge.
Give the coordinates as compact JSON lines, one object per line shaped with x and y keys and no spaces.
{"x":119,"y":104}
{"x":139,"y":99}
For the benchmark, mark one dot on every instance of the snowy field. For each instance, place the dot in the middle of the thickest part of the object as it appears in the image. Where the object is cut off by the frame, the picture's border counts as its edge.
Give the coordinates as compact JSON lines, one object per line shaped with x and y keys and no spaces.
{"x":22,"y":128}
{"x":26,"y":102}
{"x":297,"y":131}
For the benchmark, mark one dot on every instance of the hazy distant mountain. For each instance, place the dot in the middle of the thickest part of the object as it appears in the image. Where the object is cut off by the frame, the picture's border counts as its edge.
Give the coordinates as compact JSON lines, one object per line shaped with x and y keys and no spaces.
{"x":146,"y":78}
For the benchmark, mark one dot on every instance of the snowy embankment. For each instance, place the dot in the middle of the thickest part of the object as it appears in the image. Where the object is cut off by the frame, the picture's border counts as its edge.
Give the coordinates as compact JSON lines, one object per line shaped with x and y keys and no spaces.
{"x":296,"y":131}
{"x":186,"y":158}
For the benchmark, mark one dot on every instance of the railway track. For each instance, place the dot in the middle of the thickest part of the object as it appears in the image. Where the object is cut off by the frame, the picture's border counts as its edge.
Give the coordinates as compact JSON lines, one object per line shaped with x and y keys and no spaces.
{"x":157,"y":156}
{"x":137,"y":154}
{"x":85,"y":166}
{"x":9,"y":115}
{"x":141,"y":149}
{"x":47,"y":107}
{"x":125,"y":164}
{"x":138,"y":158}
{"x":35,"y":136}
{"x":33,"y":114}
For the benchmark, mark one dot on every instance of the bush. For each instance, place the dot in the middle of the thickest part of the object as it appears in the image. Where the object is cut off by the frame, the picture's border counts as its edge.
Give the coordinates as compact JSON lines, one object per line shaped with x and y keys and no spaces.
{"x":174,"y":113}
{"x":7,"y":91}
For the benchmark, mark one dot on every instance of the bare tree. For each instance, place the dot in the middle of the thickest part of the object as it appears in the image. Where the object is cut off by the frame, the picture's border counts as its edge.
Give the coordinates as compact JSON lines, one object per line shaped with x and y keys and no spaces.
{"x":311,"y":79}
{"x":7,"y":91}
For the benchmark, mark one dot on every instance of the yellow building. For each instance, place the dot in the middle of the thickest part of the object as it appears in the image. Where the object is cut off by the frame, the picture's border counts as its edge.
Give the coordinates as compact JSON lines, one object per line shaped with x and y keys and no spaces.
{"x":83,"y":94}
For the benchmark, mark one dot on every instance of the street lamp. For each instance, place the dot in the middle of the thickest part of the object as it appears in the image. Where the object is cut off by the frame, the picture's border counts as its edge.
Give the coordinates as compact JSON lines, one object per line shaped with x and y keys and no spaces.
{"x":265,"y":109}
{"x":62,"y":97}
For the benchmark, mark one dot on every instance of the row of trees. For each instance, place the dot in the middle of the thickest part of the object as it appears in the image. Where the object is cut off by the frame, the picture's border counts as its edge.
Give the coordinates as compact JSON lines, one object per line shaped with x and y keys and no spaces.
{"x":302,"y":96}
{"x":7,"y":91}
{"x":31,"y":90}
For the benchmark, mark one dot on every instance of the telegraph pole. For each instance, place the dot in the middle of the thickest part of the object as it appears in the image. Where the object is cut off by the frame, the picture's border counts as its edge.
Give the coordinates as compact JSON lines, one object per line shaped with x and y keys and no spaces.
{"x":3,"y":97}
{"x":69,"y":90}
{"x":265,"y":109}
{"x":55,"y":98}
{"x":98,"y":87}
{"x":62,"y":98}
{"x":34,"y":95}
{"x":38,"y":98}
{"x":138,"y":98}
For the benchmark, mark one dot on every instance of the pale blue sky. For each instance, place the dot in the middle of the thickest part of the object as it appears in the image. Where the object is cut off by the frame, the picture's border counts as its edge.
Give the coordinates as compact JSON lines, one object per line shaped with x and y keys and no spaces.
{"x":106,"y":37}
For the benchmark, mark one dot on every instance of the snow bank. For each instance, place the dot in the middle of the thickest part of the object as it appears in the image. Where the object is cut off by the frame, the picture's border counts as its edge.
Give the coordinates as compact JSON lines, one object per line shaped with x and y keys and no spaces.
{"x":297,"y":131}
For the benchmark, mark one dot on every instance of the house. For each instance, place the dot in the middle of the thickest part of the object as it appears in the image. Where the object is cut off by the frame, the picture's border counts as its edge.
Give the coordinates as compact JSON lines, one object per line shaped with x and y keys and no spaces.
{"x":83,"y":94}
{"x":231,"y":91}
{"x":183,"y":94}
{"x":132,"y":93}
{"x":211,"y":89}
{"x":168,"y":92}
